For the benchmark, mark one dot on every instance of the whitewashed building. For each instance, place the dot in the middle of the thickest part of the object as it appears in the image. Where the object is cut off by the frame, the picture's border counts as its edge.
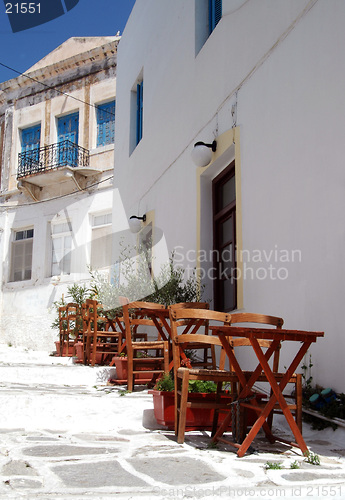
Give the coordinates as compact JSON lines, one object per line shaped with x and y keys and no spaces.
{"x":57,"y":126}
{"x":262,"y":220}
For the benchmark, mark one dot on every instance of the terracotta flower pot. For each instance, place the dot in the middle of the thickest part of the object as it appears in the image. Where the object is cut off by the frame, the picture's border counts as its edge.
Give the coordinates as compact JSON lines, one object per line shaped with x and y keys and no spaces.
{"x":64,"y":349}
{"x":197,"y":418}
{"x":122,"y":372}
{"x":79,"y":351}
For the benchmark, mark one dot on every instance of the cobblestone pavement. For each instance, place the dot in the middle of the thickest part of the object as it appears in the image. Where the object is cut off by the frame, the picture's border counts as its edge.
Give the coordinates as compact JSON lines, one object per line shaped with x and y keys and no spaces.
{"x":62,"y":439}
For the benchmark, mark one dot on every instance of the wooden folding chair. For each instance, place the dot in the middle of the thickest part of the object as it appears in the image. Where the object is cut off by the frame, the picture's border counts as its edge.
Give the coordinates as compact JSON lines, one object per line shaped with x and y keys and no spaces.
{"x":157,"y":363}
{"x":205,"y":354}
{"x":101,"y":339}
{"x":185,"y":320}
{"x":70,"y":328}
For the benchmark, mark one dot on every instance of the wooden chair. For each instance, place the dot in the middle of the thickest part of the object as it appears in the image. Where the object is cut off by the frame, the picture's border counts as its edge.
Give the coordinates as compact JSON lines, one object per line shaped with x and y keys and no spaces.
{"x":208,"y":355}
{"x":296,"y":379}
{"x":158,"y":363}
{"x":101,"y":338}
{"x":70,"y":328}
{"x":182,"y":320}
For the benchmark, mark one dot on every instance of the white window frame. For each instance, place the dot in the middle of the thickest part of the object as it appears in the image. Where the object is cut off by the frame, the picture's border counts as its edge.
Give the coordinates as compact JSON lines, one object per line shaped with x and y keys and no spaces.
{"x":101,"y":227}
{"x":26,"y":243}
{"x":63,"y":266}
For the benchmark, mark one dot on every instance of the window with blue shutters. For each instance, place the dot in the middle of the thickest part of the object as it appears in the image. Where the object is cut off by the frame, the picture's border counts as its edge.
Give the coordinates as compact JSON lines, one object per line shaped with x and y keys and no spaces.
{"x":106,"y":123}
{"x":68,"y":127}
{"x":140,"y":88}
{"x":30,"y":142}
{"x":31,"y":138}
{"x":214,"y":13}
{"x":208,"y":13}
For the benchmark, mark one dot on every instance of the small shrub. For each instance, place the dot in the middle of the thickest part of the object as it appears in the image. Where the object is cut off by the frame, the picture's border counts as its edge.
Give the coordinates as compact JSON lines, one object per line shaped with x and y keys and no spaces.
{"x":273,"y":465}
{"x":312,"y":458}
{"x":295,"y":465}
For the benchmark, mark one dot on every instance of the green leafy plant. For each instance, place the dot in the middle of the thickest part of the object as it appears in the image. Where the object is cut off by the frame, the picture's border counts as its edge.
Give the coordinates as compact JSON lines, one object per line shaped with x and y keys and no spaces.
{"x":307,"y":377}
{"x":166,"y":383}
{"x":312,"y":458}
{"x":295,"y":465}
{"x":273,"y":465}
{"x":77,"y":294}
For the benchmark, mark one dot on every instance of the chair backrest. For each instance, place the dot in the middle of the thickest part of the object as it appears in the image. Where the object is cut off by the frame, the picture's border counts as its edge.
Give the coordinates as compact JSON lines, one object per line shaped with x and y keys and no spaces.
{"x":262,"y":319}
{"x":62,"y":319}
{"x":192,"y":320}
{"x":134,"y":315}
{"x":74,"y":328}
{"x":190,"y":305}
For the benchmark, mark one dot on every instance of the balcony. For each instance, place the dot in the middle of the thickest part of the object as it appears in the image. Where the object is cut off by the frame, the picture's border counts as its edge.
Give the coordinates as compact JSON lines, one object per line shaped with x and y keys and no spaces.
{"x":64,"y":162}
{"x":49,"y":158}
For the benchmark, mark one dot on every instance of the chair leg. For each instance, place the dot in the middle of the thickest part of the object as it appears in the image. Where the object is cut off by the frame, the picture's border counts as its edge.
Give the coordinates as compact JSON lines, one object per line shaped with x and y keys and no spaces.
{"x":298,"y":395}
{"x":130,"y":376}
{"x":216,"y":411}
{"x":177,"y":403}
{"x":183,"y":408}
{"x":166,"y":357}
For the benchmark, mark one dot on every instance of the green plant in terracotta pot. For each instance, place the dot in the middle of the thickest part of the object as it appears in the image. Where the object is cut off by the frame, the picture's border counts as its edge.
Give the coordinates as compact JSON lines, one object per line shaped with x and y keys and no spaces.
{"x":197,"y":418}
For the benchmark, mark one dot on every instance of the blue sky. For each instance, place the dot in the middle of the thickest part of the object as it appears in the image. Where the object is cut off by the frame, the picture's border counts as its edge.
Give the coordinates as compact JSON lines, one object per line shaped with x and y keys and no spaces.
{"x":23,"y":49}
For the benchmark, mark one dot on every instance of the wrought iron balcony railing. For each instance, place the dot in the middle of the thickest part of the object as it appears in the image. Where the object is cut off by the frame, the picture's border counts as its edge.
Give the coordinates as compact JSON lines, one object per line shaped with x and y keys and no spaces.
{"x":62,"y":154}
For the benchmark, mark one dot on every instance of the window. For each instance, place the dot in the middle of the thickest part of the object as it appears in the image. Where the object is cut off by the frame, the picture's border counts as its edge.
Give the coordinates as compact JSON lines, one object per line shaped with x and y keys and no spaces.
{"x":214,"y":13}
{"x":105,"y":123}
{"x":31,"y":138}
{"x":30,"y":145}
{"x":68,"y":128}
{"x":224,"y":239}
{"x":101,"y":244}
{"x":61,"y":248}
{"x":140,"y":88}
{"x":21,"y":255}
{"x":208,"y":13}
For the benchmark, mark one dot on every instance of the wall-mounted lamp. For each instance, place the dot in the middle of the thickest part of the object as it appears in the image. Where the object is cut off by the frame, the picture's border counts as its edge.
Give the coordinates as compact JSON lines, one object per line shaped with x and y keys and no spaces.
{"x":135,"y":224}
{"x":202,"y":153}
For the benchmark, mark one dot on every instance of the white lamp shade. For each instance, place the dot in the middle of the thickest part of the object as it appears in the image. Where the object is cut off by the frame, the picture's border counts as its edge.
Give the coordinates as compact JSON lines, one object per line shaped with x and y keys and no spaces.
{"x":201,"y":155}
{"x":134,"y":225}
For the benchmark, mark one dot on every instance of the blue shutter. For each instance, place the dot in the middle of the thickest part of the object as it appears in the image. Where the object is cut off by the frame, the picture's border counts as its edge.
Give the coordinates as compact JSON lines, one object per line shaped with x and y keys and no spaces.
{"x":215,"y":13}
{"x":106,"y":123}
{"x":68,"y":128}
{"x":68,"y":131}
{"x":31,"y":138}
{"x":140,"y":88}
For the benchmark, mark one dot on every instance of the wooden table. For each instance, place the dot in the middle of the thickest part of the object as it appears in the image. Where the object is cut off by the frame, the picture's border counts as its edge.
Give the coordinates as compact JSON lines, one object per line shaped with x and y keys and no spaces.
{"x":277,"y":337}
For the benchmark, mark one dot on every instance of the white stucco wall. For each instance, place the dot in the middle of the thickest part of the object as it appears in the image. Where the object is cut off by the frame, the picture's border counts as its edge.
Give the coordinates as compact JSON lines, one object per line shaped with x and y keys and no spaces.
{"x":279,"y":61}
{"x":27,"y":306}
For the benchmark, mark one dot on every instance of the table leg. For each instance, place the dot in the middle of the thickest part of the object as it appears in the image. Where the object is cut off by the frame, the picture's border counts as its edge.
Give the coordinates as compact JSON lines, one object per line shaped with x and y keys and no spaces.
{"x":276,"y":396}
{"x":246,"y":386}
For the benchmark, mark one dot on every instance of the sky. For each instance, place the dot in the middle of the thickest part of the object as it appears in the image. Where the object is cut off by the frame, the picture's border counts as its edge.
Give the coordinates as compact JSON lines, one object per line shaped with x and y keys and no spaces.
{"x":22,"y":49}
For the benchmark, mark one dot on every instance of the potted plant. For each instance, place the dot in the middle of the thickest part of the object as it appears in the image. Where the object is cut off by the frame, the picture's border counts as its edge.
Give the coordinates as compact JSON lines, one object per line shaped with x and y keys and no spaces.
{"x":200,"y":391}
{"x":197,"y":418}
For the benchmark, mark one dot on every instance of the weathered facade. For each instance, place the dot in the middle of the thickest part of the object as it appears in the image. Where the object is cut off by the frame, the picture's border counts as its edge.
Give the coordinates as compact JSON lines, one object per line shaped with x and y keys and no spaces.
{"x":262,"y":220}
{"x":57,"y":159}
